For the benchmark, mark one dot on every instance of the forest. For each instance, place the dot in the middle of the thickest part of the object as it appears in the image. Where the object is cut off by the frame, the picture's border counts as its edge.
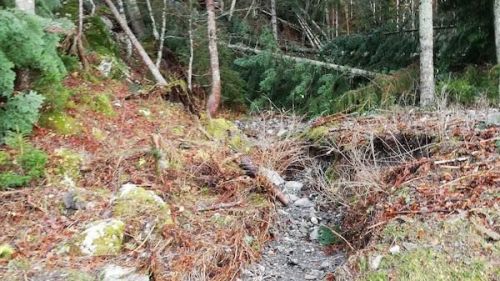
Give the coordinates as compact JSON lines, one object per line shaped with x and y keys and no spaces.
{"x":249,"y":140}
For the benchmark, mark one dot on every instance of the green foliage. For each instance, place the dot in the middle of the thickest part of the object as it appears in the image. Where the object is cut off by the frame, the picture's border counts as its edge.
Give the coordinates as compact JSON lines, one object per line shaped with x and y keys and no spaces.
{"x":25,"y":45}
{"x":99,"y":38}
{"x":60,"y":122}
{"x":327,"y":236}
{"x":29,"y":163}
{"x":20,"y":113}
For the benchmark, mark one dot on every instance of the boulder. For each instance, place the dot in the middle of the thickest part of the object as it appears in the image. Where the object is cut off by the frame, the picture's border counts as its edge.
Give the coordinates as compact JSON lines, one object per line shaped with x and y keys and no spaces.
{"x":104,"y":237}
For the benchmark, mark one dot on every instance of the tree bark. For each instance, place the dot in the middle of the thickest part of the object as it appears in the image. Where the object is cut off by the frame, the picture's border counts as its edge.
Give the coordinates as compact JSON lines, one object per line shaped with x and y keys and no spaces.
{"x":215,"y":95}
{"x":274,"y":21}
{"x":145,"y":57}
{"x":128,"y":44}
{"x":135,"y":17}
{"x":496,"y":10}
{"x":426,"y":53}
{"x":27,"y":6}
{"x":191,"y":46}
{"x":162,"y":35}
{"x":231,"y":9}
{"x":153,"y":21}
{"x":342,"y":68}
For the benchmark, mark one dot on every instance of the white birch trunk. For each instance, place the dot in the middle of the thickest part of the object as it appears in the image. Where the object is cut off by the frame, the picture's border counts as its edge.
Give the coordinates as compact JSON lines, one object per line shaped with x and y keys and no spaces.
{"x":162,"y":35}
{"x":27,"y":6}
{"x":121,"y":9}
{"x":215,"y":95}
{"x":231,"y":9}
{"x":153,"y":21}
{"x":274,"y":21}
{"x":144,"y":55}
{"x":426,"y":53}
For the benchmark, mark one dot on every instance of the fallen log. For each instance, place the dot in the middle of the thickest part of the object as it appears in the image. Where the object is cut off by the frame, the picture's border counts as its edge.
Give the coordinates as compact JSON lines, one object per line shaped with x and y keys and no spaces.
{"x":342,"y":68}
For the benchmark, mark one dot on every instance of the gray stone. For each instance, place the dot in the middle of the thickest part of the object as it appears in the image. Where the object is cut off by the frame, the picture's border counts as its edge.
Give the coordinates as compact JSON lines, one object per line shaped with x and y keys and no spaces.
{"x":493,"y":118}
{"x":292,"y":197}
{"x":325,"y":264}
{"x":314,"y":220}
{"x":272,"y":176}
{"x":304,"y":203}
{"x":118,"y":273}
{"x":293,"y":187}
{"x":314,"y":235}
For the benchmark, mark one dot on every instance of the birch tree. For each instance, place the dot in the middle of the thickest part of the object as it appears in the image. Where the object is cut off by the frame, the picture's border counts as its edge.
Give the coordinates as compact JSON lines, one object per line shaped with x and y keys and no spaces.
{"x":274,"y":21}
{"x":426,"y":53}
{"x":27,"y":6}
{"x":215,"y":95}
{"x":135,"y":17}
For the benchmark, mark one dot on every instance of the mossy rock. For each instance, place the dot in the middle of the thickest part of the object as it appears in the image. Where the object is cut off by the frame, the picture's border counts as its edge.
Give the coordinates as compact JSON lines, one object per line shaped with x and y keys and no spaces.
{"x":102,"y":104}
{"x":100,"y":238}
{"x":137,"y":206}
{"x":61,"y":123}
{"x":225,"y":130}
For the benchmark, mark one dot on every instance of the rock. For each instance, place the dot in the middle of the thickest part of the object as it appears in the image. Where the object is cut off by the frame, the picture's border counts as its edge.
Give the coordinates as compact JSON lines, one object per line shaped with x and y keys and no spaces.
{"x":105,"y":67}
{"x":72,"y":201}
{"x":62,"y":275}
{"x":104,"y":237}
{"x":314,"y":220}
{"x":304,"y":203}
{"x":493,"y":118}
{"x":326,"y":264}
{"x":313,"y":275}
{"x":118,"y":273}
{"x":314,"y":235}
{"x":375,"y":262}
{"x":133,"y":202}
{"x":292,"y":198}
{"x":395,"y":249}
{"x":281,"y":133}
{"x":293,"y":187}
{"x":272,"y":176}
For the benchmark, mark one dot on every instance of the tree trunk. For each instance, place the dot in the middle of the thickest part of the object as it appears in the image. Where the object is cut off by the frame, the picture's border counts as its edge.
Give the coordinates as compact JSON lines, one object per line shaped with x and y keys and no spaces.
{"x":153,"y":21}
{"x":27,"y":6}
{"x":353,"y":71}
{"x":215,"y":96}
{"x":162,"y":35}
{"x":191,"y":45}
{"x":145,"y":57}
{"x":274,"y":21}
{"x":128,"y":44}
{"x":231,"y":9}
{"x":426,"y":53}
{"x":135,"y":17}
{"x":496,"y":10}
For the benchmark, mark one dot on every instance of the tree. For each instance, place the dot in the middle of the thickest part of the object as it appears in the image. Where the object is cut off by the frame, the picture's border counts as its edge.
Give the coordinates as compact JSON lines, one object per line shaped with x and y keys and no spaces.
{"x":426,"y":53}
{"x":496,"y":10}
{"x":135,"y":17}
{"x":215,"y":95}
{"x":274,"y":21}
{"x":144,"y":55}
{"x":27,"y":6}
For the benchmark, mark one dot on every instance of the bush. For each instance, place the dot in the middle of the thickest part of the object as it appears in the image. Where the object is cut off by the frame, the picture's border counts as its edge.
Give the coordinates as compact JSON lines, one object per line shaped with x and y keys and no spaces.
{"x":24,"y":45}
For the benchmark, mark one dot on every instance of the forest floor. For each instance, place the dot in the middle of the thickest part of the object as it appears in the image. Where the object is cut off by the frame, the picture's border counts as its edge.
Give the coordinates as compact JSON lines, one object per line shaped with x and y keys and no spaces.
{"x":391,"y":196}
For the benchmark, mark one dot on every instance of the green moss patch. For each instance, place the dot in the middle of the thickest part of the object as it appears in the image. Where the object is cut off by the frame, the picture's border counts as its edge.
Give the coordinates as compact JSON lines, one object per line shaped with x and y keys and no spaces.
{"x":137,"y":206}
{"x":100,"y":238}
{"x":224,"y":130}
{"x":60,"y":123}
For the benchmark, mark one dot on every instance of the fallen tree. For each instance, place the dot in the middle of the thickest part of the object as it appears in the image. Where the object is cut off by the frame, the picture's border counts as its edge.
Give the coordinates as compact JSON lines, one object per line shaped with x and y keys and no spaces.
{"x":137,"y":45}
{"x":342,"y":68}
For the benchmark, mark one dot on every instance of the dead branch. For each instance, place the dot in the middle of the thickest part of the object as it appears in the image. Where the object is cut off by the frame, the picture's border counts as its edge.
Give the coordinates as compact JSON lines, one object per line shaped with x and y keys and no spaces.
{"x":220,"y":206}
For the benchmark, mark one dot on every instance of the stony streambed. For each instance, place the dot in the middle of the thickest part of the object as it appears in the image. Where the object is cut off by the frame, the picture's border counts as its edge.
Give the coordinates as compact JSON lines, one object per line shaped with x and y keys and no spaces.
{"x":295,"y":252}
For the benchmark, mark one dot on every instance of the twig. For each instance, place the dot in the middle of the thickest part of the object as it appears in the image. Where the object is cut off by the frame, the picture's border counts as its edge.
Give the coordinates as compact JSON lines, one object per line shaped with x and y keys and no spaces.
{"x":340,"y":236}
{"x":459,"y":159}
{"x":220,"y":206}
{"x":145,"y":239}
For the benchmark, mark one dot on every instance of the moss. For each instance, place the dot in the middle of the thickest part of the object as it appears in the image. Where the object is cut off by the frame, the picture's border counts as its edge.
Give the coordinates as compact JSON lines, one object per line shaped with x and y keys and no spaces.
{"x":102,"y":103}
{"x":426,"y":264}
{"x":4,"y":158}
{"x":99,"y":238}
{"x":68,"y":163}
{"x":6,"y":251}
{"x":99,"y":134}
{"x":224,"y":130}
{"x":136,"y":205}
{"x":61,"y":123}
{"x":74,"y":275}
{"x":317,"y":133}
